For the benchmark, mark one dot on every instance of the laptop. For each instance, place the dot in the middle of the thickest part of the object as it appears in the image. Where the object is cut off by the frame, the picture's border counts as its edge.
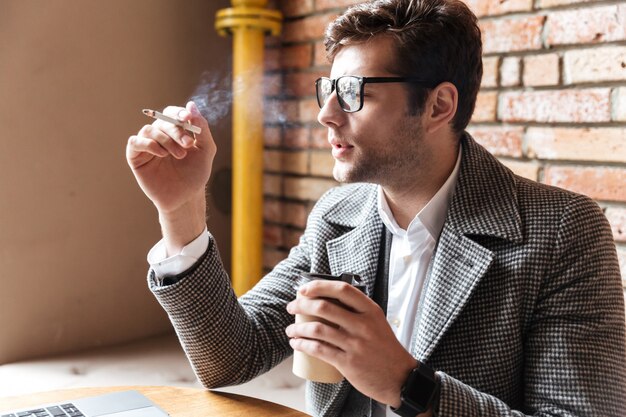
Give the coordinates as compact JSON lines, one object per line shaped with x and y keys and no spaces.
{"x":117,"y":404}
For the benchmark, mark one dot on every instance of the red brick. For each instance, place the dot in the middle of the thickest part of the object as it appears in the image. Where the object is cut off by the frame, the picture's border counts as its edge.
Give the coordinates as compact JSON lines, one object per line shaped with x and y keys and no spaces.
{"x":490,"y":72}
{"x":334,"y":4}
{"x":295,"y":162}
{"x":272,"y":42}
{"x":499,"y":140}
{"x":541,"y":70}
{"x":578,"y":106}
{"x":599,"y":183}
{"x":292,"y":8}
{"x":528,"y":170}
{"x":280,"y":111}
{"x":307,"y":188}
{"x":308,"y":110}
{"x":542,"y":4}
{"x":320,"y":59}
{"x":617,"y":219}
{"x":322,"y":163}
{"x":272,"y":136}
{"x":302,"y":84}
{"x":272,"y":256}
{"x":286,"y":162}
{"x":295,"y":214}
{"x":512,"y":34}
{"x":273,"y":235}
{"x":510,"y":72}
{"x":319,"y":138}
{"x":295,"y":111}
{"x":602,"y":144}
{"x":296,"y":56}
{"x":586,"y":25}
{"x":272,"y":185}
{"x":273,"y":210}
{"x":286,"y":213}
{"x":272,"y":161}
{"x":271,"y":59}
{"x":272,"y":85}
{"x":297,"y":137}
{"x":493,"y":8}
{"x":310,"y":28}
{"x":597,"y":64}
{"x":486,"y":104}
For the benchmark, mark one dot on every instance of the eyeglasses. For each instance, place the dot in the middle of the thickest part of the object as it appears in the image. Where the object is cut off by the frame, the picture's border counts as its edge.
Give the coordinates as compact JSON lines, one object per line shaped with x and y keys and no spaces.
{"x":350,"y":89}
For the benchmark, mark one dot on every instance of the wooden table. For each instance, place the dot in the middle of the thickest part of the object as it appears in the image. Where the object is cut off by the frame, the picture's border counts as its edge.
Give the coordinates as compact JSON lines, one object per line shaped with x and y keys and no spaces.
{"x":178,"y":402}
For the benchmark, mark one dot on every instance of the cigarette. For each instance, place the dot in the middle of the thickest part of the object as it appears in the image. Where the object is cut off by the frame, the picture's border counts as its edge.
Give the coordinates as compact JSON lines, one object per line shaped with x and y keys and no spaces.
{"x":185,"y":125}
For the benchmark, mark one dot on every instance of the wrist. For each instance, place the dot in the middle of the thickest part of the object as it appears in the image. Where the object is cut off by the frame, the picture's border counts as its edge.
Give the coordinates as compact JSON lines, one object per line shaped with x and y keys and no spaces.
{"x":402,"y":375}
{"x":182,"y":225}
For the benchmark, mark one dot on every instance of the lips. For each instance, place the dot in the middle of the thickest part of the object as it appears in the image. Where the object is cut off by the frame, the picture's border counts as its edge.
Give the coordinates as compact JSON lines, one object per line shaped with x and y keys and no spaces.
{"x":340,"y":149}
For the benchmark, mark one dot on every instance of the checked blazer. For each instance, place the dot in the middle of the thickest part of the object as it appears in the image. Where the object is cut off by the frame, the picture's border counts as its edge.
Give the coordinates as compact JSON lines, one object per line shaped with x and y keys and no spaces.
{"x":522,"y":311}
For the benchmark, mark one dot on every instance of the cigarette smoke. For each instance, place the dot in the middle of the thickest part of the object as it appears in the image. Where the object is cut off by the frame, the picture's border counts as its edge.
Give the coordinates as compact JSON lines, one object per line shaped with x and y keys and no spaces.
{"x":214,"y":98}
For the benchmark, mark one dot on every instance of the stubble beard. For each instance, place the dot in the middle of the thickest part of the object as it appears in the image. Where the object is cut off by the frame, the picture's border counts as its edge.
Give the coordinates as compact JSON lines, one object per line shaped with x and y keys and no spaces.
{"x":394,"y":163}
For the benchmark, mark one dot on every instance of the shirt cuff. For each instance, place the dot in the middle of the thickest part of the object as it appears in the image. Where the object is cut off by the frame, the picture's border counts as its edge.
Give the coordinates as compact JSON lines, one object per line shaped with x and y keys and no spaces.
{"x":164,"y":266}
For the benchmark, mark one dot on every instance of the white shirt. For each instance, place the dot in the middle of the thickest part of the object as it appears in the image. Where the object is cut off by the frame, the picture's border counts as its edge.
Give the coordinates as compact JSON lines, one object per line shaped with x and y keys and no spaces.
{"x":411,"y":252}
{"x":165,"y":266}
{"x":410,"y":255}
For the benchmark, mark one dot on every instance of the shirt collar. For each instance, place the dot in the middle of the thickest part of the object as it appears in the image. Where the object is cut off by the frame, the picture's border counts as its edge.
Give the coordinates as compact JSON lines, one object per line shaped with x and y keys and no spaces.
{"x":432,"y":216}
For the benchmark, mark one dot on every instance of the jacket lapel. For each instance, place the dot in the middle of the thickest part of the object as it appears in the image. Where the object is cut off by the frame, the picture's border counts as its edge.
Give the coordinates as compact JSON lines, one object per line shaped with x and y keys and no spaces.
{"x":457,"y":266}
{"x":484,"y":204}
{"x":357,"y":250}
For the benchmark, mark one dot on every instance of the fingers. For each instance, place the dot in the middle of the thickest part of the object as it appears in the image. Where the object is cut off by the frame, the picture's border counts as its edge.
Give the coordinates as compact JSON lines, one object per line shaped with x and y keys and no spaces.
{"x":138,"y":145}
{"x":156,"y":134}
{"x":317,"y":349}
{"x":161,"y":138}
{"x":192,"y":114}
{"x":318,"y":331}
{"x":326,"y":309}
{"x":182,"y":137}
{"x":344,"y":293}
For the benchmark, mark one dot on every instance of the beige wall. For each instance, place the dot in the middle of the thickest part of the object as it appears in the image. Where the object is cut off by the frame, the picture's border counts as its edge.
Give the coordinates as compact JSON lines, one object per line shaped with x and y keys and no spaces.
{"x":74,"y":227}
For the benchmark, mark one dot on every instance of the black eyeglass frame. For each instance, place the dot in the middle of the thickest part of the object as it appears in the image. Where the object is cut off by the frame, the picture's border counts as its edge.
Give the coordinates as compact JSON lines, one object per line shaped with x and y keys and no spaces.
{"x":362,"y":82}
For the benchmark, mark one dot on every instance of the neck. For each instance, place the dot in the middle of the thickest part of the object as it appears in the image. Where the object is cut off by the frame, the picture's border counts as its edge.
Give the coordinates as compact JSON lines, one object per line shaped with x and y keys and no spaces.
{"x":407,"y":200}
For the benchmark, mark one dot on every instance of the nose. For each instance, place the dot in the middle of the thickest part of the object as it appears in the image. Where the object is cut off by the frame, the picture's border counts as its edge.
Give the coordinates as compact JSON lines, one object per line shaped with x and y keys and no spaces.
{"x":330,"y":114}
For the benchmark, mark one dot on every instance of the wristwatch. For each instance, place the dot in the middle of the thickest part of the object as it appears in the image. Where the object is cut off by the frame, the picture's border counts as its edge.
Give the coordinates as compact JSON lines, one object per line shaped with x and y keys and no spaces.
{"x":419,"y":392}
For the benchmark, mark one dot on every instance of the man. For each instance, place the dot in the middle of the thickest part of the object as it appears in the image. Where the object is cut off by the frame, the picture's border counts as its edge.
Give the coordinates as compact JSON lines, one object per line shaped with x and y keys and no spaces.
{"x":486,"y":294}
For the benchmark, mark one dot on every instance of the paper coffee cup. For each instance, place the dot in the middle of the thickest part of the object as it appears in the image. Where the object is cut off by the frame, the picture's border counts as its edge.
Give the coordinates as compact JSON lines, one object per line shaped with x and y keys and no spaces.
{"x":306,"y":366}
{"x":310,"y":368}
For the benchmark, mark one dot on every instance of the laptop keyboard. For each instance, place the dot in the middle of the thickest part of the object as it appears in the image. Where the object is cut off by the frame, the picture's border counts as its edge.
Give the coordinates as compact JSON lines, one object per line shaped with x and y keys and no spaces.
{"x":63,"y":410}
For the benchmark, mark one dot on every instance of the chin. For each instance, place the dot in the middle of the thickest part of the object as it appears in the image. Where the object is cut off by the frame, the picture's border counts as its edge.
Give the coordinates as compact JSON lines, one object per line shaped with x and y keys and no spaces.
{"x":342,"y":171}
{"x":346,"y":176}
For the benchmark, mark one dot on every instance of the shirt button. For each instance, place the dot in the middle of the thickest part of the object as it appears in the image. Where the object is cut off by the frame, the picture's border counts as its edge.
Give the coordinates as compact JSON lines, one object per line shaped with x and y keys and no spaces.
{"x":395,"y":322}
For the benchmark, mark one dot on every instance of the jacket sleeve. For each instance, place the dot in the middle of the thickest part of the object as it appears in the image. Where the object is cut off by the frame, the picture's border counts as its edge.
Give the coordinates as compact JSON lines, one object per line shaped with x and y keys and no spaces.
{"x":230,"y":341}
{"x":575,"y":350}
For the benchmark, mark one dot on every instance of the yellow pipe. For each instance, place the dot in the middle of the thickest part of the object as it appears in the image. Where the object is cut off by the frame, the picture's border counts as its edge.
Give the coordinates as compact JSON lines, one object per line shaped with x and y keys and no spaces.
{"x":248,"y":22}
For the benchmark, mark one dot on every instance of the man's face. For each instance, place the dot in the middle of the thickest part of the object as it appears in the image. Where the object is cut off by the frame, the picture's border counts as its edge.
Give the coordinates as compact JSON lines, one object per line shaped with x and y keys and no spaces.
{"x":381,"y":143}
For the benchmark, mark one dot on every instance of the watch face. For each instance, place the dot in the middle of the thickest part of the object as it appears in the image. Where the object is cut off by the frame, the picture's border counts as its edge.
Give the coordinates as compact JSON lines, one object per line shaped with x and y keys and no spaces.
{"x":419,"y":389}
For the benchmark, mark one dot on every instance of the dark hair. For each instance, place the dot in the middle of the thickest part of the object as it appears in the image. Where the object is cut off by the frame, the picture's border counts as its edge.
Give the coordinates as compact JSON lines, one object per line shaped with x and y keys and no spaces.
{"x":437,"y":40}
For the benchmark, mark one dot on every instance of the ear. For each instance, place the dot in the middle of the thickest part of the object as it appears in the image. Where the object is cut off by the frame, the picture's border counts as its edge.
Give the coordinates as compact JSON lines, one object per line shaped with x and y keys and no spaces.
{"x":440,"y":107}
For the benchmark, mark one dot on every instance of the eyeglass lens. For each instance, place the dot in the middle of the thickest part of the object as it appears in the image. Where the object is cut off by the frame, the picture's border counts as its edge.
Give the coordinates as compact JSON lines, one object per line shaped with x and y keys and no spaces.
{"x":348,"y":92}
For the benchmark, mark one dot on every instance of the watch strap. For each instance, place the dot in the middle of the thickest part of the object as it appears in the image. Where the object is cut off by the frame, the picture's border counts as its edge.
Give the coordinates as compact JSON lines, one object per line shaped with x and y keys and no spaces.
{"x":421,"y":378}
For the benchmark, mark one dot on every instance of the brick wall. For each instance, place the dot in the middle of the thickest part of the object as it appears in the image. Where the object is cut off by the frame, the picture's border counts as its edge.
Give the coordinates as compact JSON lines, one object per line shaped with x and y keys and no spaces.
{"x":552,"y":106}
